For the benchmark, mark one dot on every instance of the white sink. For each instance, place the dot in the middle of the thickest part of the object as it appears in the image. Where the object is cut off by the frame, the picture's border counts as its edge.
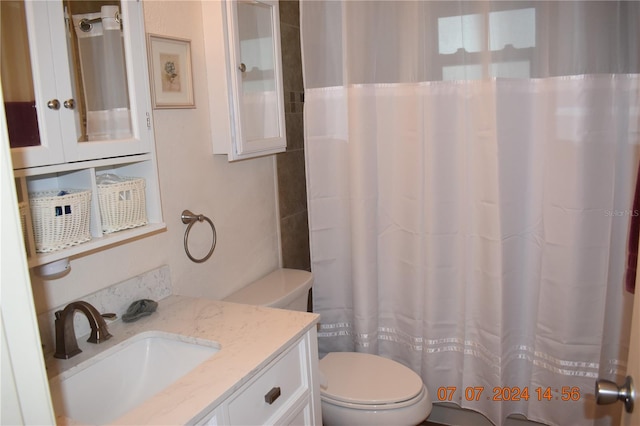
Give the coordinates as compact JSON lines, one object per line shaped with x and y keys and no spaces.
{"x":112,"y":383}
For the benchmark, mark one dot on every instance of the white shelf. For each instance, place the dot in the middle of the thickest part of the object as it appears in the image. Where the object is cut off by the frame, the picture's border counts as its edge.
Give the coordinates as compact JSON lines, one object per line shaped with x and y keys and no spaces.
{"x":97,"y":243}
{"x":80,"y":165}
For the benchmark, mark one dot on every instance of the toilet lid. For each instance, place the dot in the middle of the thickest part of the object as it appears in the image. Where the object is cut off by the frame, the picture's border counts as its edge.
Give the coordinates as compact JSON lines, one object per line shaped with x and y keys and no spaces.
{"x":367,"y":379}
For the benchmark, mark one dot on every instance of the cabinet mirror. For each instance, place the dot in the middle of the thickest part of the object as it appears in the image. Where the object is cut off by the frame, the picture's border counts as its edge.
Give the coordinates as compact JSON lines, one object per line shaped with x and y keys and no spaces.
{"x":258,"y":89}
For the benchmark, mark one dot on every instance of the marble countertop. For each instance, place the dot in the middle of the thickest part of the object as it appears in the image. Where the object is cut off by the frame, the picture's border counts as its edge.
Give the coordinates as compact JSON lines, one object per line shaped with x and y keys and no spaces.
{"x":250,"y":337}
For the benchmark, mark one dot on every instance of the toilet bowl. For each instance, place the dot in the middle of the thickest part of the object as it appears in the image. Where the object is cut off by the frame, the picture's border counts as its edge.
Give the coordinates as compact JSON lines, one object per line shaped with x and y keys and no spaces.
{"x":359,"y":389}
{"x":364,"y":389}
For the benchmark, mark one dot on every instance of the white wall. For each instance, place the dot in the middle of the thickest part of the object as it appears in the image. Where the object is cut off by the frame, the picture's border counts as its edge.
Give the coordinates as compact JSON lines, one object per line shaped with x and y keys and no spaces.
{"x":239,"y":197}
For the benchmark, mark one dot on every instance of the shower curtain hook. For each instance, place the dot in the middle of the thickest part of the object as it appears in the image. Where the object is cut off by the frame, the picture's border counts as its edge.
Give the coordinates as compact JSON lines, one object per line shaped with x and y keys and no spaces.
{"x":86,"y":25}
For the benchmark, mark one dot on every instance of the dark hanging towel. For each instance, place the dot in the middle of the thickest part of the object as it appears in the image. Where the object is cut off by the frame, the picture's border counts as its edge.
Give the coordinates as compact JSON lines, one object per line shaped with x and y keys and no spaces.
{"x":22,"y":124}
{"x":634,"y":233}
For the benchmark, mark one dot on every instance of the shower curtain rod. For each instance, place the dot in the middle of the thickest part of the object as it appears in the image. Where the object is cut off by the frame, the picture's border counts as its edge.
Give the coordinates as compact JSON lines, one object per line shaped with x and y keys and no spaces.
{"x":87,"y":24}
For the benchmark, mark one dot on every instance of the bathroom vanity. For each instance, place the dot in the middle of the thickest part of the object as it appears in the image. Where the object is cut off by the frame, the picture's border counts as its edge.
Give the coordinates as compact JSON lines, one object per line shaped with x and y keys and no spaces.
{"x":265,"y":371}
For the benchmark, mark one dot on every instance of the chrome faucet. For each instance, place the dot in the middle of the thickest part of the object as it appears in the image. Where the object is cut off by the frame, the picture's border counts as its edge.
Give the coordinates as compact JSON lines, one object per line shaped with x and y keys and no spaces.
{"x":66,"y":342}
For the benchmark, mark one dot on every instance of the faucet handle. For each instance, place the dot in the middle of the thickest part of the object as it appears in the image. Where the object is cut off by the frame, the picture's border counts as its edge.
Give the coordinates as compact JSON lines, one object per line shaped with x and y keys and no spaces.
{"x":100,"y":333}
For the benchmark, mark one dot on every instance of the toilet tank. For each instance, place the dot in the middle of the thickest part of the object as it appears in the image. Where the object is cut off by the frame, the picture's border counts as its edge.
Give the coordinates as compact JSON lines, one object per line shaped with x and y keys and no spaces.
{"x":282,"y":288}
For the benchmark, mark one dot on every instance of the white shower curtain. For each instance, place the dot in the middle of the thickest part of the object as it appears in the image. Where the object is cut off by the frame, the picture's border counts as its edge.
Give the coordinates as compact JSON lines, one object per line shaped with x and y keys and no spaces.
{"x":470,"y":171}
{"x":104,"y":75}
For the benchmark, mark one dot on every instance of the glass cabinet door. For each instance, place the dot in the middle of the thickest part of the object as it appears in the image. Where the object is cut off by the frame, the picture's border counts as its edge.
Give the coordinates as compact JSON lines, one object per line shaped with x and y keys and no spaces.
{"x":17,"y":83}
{"x":34,"y":128}
{"x":257,"y":77}
{"x":95,"y":45}
{"x":106,"y":55}
{"x":258,"y":97}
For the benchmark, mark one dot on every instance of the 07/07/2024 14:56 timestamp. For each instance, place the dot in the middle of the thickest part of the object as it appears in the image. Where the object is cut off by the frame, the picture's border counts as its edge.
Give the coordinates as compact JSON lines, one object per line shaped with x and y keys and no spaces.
{"x":509,"y":393}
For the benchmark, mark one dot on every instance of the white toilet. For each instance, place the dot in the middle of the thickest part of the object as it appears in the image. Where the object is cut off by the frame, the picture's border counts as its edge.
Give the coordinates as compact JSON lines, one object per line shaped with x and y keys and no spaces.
{"x":361,"y":389}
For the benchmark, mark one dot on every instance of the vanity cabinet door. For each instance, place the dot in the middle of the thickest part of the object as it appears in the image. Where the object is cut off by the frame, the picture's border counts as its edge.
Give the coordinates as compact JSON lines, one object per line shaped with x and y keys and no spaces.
{"x":215,"y":418}
{"x":303,"y":417}
{"x":274,"y":392}
{"x":285,"y":392}
{"x":83,"y":87}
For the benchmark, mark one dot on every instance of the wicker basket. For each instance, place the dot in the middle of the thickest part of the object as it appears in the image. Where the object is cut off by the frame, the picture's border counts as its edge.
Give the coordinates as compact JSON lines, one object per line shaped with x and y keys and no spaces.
{"x":122,"y":204}
{"x":60,"y":221}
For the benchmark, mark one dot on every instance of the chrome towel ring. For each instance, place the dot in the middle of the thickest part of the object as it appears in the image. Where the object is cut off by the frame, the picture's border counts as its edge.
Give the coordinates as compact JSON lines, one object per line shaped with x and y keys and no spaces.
{"x":190,"y":218}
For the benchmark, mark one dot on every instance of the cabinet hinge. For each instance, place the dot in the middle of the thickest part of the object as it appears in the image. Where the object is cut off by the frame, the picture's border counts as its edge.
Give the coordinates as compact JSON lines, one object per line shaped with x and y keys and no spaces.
{"x":148,"y":121}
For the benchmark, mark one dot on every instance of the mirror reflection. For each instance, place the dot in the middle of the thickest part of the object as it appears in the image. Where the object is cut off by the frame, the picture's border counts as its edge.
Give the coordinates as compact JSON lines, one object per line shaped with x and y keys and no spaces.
{"x":96,"y":44}
{"x":259,"y":96}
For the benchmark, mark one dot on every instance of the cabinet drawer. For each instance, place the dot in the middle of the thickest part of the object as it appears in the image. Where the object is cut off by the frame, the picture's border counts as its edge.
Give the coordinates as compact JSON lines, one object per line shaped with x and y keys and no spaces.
{"x":250,"y":407}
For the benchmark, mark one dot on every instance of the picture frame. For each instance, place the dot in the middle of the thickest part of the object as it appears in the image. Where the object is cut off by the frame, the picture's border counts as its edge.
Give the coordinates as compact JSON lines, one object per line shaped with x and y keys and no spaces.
{"x":170,"y":74}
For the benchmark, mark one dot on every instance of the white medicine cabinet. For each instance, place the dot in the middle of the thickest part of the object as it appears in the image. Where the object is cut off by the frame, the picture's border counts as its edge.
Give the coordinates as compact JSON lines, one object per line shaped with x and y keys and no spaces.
{"x":244,"y":72}
{"x":77,"y":105}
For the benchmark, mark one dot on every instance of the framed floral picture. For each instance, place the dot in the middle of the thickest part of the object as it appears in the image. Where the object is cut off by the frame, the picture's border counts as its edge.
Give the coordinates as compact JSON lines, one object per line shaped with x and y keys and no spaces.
{"x":170,"y":72}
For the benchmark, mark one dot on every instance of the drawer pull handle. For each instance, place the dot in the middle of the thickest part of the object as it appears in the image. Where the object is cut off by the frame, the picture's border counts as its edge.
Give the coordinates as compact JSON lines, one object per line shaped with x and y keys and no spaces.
{"x":272,"y":395}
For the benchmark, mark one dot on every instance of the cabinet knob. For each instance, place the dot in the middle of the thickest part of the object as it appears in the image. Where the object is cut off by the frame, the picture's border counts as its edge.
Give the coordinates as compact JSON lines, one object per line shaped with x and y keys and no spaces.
{"x":69,"y":104}
{"x":53,"y":104}
{"x":272,"y":395}
{"x":242,"y":67}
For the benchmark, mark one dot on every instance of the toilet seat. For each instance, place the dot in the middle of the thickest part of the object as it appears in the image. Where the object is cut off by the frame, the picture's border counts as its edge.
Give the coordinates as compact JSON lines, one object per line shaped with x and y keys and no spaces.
{"x":376,"y":407}
{"x":365,"y":381}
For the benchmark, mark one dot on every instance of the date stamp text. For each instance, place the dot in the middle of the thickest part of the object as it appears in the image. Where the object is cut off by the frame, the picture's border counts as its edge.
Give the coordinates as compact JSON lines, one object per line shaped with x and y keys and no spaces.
{"x":509,"y":393}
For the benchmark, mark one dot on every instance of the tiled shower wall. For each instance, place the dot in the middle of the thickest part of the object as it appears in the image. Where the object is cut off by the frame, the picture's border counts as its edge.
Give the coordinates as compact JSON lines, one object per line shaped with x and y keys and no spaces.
{"x":292,"y":196}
